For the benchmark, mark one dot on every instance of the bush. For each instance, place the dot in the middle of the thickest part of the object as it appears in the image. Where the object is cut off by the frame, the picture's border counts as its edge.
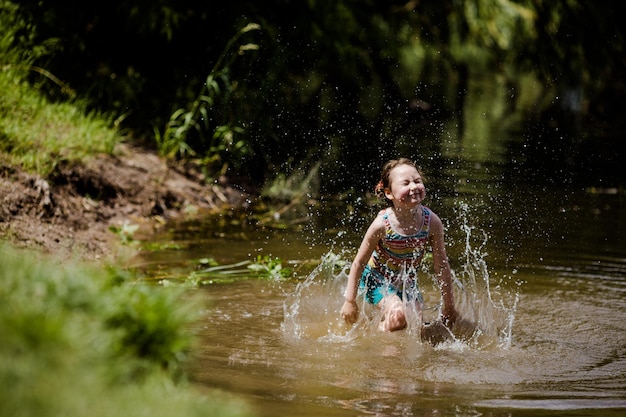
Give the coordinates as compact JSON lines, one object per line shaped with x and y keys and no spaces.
{"x":78,"y":341}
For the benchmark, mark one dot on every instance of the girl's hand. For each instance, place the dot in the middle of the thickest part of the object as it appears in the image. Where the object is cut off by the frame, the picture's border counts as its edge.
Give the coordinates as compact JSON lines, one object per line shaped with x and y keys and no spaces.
{"x":350,"y":312}
{"x":449,"y":316}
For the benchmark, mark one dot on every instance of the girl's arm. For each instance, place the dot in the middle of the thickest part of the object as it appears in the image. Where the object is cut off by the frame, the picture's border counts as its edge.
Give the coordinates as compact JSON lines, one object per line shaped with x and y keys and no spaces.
{"x":350,"y":310}
{"x":442,"y":270}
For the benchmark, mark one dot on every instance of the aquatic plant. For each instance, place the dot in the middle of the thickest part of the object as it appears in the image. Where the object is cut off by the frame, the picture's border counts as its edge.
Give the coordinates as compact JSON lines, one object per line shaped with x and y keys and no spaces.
{"x":269,"y":267}
{"x":125,"y":232}
{"x":263,"y":267}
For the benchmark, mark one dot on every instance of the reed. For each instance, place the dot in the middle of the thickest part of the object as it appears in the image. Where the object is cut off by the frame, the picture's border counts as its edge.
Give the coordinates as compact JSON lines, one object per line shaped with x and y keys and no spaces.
{"x":198,"y":130}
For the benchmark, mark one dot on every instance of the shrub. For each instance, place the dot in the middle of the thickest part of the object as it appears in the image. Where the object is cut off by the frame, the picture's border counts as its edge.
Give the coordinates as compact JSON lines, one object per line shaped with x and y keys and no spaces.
{"x":83,"y":341}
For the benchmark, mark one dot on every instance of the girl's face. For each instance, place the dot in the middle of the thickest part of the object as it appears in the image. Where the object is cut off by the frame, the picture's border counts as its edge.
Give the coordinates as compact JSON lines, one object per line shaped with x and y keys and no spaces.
{"x":406,"y":187}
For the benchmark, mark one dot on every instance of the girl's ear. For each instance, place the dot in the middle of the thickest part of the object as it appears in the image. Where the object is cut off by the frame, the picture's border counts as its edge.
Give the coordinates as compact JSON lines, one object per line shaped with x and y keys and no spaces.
{"x":388,"y":194}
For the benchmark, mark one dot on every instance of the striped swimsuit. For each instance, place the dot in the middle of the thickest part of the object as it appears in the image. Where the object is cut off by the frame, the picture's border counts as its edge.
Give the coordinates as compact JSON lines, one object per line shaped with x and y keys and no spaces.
{"x":393,"y":265}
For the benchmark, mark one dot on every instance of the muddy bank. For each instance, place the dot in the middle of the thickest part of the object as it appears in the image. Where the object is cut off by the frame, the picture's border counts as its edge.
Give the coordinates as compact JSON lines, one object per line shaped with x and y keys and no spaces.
{"x":71,"y":213}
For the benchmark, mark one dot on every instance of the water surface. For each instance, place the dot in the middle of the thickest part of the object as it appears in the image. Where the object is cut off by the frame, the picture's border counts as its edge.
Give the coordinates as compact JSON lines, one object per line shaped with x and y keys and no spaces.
{"x":554,"y":260}
{"x":540,"y":266}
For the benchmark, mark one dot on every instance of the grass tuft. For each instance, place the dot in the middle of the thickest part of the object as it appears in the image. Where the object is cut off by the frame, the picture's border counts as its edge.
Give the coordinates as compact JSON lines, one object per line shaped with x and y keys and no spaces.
{"x":37,"y":135}
{"x":79,"y":341}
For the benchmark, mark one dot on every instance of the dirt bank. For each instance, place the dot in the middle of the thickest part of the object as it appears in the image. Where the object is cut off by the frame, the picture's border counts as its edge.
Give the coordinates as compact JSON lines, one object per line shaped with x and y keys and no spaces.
{"x":71,"y":213}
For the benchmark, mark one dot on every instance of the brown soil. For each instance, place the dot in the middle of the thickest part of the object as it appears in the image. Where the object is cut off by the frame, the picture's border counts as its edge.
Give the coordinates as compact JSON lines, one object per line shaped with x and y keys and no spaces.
{"x":71,"y":213}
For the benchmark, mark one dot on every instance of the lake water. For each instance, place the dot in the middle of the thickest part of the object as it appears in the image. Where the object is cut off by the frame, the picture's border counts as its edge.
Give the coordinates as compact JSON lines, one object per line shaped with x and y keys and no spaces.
{"x":540,"y":268}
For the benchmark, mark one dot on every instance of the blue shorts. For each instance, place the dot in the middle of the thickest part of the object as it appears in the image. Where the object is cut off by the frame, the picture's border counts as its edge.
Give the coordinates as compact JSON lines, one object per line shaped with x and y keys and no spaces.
{"x":377,"y":287}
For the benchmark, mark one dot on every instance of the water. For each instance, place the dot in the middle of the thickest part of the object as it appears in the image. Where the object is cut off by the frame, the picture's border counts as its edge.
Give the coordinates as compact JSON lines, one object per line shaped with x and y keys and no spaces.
{"x":549,"y":292}
{"x":540,"y":268}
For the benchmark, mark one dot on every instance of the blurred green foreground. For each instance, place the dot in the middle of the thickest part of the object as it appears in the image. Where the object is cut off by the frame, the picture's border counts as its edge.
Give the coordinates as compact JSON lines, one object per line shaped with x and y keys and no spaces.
{"x":77,"y":341}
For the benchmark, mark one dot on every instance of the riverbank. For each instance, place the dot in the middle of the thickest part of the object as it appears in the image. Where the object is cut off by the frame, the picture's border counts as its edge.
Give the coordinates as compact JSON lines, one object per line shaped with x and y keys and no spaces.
{"x":73,"y":212}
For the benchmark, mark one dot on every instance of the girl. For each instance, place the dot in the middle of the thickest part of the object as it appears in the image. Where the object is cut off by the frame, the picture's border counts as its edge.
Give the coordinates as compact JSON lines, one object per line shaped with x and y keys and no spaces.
{"x":392,"y":250}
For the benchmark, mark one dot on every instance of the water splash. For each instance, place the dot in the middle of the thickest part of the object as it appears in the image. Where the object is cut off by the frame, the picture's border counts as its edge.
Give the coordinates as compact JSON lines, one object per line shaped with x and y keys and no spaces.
{"x":312,"y":311}
{"x":492,"y":309}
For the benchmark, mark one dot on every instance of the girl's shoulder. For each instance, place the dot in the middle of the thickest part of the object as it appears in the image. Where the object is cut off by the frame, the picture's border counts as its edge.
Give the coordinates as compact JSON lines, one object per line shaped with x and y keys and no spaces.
{"x":384,"y":212}
{"x":381,"y":220}
{"x":376,"y":229}
{"x":382,"y":216}
{"x":434,"y":220}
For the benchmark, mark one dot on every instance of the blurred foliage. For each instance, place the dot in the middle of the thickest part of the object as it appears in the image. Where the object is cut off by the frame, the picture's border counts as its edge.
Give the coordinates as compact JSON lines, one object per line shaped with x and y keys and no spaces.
{"x":79,"y":340}
{"x":328,"y":80}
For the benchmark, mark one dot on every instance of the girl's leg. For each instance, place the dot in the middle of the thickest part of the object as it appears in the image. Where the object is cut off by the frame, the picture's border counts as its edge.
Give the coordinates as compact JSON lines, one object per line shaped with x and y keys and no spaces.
{"x":393,"y":313}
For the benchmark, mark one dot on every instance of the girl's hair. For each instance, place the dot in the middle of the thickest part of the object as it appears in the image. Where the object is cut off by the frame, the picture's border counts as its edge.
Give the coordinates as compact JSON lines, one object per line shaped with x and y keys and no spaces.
{"x":383,"y":184}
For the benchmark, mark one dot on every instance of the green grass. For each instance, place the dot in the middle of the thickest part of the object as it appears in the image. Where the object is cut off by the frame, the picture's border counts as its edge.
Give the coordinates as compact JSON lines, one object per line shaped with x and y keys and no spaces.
{"x":36,"y":135}
{"x":82,"y":341}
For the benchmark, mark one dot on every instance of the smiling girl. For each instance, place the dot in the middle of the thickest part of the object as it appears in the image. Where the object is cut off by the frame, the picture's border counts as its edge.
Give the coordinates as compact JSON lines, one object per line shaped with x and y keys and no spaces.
{"x":386,"y":264}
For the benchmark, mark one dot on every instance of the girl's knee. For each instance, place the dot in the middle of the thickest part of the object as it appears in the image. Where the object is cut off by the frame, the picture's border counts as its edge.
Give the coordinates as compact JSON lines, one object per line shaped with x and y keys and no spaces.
{"x":397,"y":320}
{"x":394,"y":318}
